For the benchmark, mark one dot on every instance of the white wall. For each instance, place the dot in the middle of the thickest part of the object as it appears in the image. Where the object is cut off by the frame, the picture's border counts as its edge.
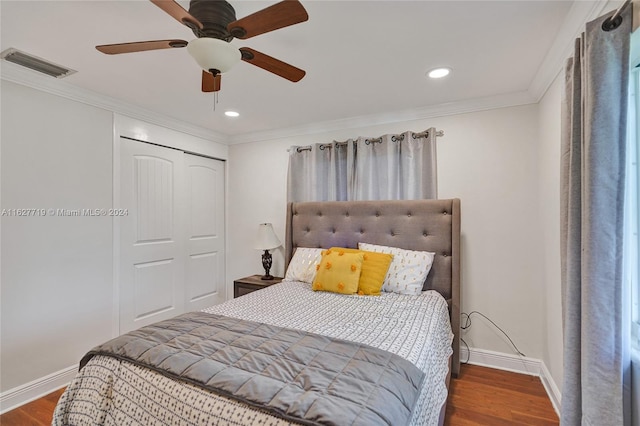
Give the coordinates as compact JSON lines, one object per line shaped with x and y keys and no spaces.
{"x":57,"y":288}
{"x":549,"y":211}
{"x":488,"y":160}
{"x":56,"y":277}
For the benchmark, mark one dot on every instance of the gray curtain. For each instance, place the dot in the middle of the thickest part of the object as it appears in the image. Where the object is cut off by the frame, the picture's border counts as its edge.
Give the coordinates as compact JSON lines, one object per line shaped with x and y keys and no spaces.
{"x":391,"y":167}
{"x":318,"y":173}
{"x":395,"y":167}
{"x":593,"y":174}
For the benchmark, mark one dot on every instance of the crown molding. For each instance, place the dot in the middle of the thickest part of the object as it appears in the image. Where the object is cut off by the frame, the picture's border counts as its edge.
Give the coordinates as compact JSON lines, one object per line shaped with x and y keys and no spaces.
{"x":26,"y":77}
{"x":440,"y":110}
{"x":19,"y":75}
{"x":580,"y":13}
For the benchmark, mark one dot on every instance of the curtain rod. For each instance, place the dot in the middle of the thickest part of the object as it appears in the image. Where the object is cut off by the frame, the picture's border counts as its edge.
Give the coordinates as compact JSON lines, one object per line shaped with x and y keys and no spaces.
{"x":615,"y":20}
{"x":394,"y":138}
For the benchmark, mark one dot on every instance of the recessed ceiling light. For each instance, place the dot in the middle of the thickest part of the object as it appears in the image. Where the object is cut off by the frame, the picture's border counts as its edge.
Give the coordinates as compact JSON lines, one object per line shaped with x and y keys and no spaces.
{"x":439,"y":72}
{"x":232,"y":114}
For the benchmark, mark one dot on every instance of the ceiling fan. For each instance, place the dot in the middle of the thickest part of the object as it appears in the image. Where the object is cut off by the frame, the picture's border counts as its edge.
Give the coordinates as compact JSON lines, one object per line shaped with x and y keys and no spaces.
{"x":214,"y":23}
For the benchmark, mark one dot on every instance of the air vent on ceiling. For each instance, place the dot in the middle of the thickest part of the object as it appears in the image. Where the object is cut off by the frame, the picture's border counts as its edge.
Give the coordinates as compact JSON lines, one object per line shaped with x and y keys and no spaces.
{"x":35,"y":63}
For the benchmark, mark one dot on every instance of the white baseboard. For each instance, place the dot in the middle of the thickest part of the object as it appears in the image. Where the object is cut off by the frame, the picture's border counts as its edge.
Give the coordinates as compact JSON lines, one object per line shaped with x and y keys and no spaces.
{"x":516,"y":364}
{"x":550,"y":386}
{"x":13,"y":398}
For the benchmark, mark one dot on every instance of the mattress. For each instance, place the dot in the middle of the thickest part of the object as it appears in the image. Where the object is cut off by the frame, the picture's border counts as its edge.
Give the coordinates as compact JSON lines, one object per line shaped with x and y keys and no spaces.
{"x":417,"y":328}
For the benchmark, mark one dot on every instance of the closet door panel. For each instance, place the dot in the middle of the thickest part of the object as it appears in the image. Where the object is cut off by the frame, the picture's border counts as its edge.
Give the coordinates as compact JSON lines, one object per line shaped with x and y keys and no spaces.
{"x":151,"y":264}
{"x":205,"y":242}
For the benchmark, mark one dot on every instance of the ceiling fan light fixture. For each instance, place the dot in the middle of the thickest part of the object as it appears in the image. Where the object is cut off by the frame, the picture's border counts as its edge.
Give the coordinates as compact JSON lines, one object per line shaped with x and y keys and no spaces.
{"x":214,"y":54}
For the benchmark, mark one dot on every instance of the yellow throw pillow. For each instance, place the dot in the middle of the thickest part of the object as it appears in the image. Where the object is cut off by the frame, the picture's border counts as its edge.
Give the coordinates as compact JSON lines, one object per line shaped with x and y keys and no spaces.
{"x":338,"y":272}
{"x":374,"y":269}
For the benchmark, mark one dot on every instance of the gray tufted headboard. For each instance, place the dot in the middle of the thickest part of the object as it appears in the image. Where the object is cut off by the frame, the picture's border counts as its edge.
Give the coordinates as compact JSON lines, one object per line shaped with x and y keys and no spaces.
{"x":427,"y":225}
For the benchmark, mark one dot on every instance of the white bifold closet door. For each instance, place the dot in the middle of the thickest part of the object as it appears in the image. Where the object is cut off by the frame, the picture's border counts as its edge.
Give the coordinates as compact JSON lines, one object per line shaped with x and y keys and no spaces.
{"x":172,"y":255}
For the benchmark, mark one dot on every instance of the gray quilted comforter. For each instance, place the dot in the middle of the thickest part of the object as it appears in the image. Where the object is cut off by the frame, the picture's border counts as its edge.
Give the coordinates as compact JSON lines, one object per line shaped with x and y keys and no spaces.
{"x":297,"y":375}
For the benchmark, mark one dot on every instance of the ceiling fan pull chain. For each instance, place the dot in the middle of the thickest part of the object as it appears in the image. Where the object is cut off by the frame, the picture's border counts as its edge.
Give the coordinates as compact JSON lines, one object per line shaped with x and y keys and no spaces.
{"x":215,"y":100}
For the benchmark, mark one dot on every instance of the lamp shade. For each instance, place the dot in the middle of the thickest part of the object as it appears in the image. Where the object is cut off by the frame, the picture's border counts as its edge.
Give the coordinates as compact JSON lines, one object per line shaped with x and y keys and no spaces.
{"x":267,"y":238}
{"x":211,"y":53}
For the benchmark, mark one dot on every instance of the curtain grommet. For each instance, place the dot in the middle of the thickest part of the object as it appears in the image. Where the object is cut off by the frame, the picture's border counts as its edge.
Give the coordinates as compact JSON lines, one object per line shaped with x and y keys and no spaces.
{"x":611,"y":24}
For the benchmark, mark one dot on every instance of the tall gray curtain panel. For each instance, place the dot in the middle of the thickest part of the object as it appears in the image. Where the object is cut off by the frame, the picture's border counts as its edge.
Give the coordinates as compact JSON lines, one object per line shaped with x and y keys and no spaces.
{"x":592,"y":191}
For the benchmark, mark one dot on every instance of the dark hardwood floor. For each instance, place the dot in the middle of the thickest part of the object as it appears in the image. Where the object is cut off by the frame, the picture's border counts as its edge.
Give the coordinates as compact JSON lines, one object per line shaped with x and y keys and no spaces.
{"x":480,"y":396}
{"x":36,"y":413}
{"x":485,"y":396}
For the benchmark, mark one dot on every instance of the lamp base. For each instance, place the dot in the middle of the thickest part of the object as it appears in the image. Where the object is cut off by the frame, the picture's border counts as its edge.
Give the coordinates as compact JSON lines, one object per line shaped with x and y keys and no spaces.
{"x":266,"y":264}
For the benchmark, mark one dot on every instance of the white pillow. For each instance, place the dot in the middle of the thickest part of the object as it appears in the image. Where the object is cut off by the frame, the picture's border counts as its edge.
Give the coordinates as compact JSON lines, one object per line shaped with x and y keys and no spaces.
{"x":303,"y":264}
{"x":407,"y":271}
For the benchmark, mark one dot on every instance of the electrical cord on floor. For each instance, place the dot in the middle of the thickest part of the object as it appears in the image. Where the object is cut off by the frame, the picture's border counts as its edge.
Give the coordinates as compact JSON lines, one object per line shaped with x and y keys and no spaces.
{"x":467,"y":323}
{"x":468,"y":352}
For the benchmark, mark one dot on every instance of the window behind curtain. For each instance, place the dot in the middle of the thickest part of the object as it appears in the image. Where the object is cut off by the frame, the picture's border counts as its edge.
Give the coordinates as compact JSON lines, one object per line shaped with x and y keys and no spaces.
{"x":632,"y":223}
{"x":632,"y":204}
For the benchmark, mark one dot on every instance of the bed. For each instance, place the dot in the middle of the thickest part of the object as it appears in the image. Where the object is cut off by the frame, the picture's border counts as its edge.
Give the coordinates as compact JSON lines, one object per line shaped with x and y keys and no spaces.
{"x":116,"y":390}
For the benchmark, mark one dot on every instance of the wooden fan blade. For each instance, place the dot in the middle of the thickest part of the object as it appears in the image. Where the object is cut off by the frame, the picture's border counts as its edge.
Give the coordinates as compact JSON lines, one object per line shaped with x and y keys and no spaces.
{"x":178,"y":13}
{"x":140,"y":46}
{"x":271,"y":64}
{"x":210,"y":83}
{"x":280,"y":15}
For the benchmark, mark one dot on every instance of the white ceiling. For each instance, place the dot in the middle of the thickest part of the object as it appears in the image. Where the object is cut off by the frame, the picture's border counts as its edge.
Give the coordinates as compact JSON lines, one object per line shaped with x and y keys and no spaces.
{"x":363,"y":58}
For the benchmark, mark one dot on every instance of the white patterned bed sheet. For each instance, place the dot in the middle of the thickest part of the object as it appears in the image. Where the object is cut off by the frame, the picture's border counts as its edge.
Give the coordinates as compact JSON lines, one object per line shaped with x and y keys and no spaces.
{"x":417,"y":328}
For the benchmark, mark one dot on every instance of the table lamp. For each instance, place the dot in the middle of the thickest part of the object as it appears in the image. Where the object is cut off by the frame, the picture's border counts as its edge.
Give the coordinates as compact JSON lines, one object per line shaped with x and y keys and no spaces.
{"x":267,"y":240}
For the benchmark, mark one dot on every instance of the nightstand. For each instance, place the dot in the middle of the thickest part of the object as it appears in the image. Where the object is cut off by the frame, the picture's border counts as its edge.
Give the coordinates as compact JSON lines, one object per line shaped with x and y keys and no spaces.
{"x":247,"y":285}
